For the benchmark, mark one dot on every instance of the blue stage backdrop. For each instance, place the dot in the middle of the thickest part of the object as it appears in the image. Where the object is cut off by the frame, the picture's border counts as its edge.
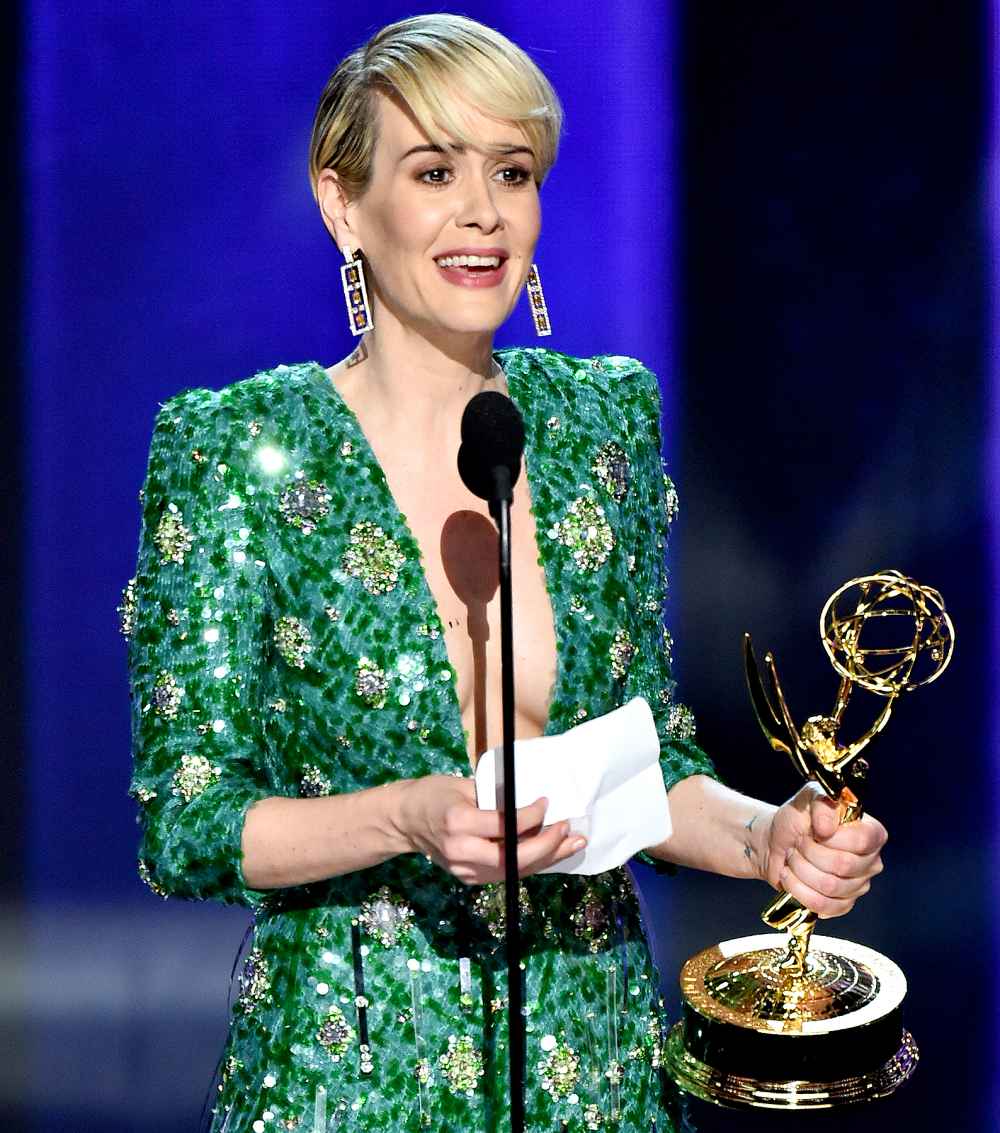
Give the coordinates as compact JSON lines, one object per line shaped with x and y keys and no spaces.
{"x":779,"y":211}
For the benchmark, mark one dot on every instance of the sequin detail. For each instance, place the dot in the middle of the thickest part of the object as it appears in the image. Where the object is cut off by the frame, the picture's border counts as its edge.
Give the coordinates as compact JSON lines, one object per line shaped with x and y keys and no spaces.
{"x":146,"y":877}
{"x":680,"y":722}
{"x":462,"y":1065}
{"x":591,"y":918}
{"x":294,"y":641}
{"x":371,"y":683}
{"x":560,"y":1071}
{"x":126,"y":610}
{"x":621,"y":652}
{"x":671,"y":502}
{"x":292,"y":732}
{"x":592,"y":1117}
{"x":193,"y":776}
{"x":314,"y":783}
{"x":335,"y":1034}
{"x":167,"y":696}
{"x":490,"y":905}
{"x":304,"y":503}
{"x":142,"y":793}
{"x":586,"y":532}
{"x":255,"y":982}
{"x":373,"y":558}
{"x":386,"y":918}
{"x":172,"y":538}
{"x":611,"y":468}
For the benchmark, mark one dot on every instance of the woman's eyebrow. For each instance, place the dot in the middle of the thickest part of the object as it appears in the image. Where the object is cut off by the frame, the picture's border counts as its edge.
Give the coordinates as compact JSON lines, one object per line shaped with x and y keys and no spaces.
{"x":500,"y":148}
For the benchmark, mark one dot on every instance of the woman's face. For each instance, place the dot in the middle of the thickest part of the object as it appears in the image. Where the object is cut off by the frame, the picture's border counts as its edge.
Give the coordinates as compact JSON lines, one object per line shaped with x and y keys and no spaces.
{"x":422,"y":204}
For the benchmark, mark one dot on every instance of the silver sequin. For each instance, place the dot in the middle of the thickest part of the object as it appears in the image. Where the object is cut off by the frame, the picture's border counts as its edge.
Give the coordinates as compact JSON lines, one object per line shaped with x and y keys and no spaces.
{"x":386,"y":918}
{"x":172,"y":538}
{"x":373,"y":558}
{"x":611,"y":468}
{"x":293,"y":639}
{"x":167,"y":695}
{"x":193,"y":776}
{"x":304,"y":503}
{"x":371,"y":683}
{"x":586,"y":532}
{"x":462,"y":1065}
{"x":314,"y":783}
{"x":335,"y":1034}
{"x":126,"y":610}
{"x":622,"y":652}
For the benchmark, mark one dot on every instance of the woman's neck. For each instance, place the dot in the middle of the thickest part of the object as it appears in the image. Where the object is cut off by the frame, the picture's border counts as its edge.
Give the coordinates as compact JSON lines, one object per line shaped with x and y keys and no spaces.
{"x":398,"y":378}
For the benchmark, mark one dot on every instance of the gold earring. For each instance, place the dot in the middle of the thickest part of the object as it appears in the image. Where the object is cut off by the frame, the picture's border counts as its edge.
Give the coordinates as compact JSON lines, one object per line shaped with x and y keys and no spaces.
{"x":352,"y":274}
{"x":539,"y":312}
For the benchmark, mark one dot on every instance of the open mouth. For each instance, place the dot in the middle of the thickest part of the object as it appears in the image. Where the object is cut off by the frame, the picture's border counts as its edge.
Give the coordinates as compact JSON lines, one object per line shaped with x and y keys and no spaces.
{"x":472,"y":270}
{"x":471,"y":264}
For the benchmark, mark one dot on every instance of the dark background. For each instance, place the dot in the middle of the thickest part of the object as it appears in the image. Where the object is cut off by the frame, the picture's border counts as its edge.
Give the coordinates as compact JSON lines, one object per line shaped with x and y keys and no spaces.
{"x":807,"y":191}
{"x":835,"y":405}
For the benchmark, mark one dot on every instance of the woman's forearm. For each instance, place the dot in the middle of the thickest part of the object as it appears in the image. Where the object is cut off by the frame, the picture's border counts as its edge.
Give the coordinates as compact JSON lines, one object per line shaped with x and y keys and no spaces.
{"x":716,"y":829}
{"x":290,"y":841}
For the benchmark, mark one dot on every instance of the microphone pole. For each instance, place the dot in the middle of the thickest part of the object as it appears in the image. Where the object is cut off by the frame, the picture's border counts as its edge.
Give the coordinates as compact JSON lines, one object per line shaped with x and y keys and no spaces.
{"x":515,"y":1012}
{"x":489,"y":462}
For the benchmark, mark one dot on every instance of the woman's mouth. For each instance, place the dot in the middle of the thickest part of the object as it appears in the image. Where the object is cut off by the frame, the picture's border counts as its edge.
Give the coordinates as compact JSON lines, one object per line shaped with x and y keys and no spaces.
{"x":472,"y":271}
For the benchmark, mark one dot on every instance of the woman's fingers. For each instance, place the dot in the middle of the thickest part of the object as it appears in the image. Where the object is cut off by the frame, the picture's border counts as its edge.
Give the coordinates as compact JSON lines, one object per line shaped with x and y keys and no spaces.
{"x":837,"y":862}
{"x":552,"y":845}
{"x":821,"y":904}
{"x":827,"y":882}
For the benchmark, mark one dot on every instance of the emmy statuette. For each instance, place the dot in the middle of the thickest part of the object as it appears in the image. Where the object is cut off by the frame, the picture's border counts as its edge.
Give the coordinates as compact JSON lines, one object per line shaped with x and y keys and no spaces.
{"x":804,"y":1022}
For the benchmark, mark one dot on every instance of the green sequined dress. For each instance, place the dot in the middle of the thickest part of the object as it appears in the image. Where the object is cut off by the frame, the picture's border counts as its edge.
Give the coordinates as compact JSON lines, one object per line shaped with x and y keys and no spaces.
{"x":283,"y":640}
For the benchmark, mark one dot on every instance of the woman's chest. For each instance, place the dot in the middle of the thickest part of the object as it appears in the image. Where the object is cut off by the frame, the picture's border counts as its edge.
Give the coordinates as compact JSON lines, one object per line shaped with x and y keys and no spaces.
{"x":459,"y":549}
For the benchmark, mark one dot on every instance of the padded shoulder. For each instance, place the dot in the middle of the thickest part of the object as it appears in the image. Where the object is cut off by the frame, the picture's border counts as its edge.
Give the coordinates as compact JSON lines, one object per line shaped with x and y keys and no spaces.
{"x":258,"y":393}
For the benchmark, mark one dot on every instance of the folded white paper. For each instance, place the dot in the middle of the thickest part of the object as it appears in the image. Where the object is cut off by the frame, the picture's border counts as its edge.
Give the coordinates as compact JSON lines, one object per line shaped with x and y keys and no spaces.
{"x":603,"y":775}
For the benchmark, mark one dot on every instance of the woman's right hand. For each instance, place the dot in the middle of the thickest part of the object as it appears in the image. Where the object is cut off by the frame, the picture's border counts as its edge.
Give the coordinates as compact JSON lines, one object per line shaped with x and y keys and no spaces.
{"x":439,"y":818}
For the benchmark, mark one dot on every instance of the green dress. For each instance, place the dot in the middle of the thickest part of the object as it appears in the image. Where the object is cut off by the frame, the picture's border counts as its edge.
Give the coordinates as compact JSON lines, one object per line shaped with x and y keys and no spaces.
{"x":283,"y":640}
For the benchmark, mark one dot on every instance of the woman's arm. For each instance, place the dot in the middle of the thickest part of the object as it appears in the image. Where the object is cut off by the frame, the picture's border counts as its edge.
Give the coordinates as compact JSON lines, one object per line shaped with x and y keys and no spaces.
{"x":197,"y":650}
{"x":295,"y":841}
{"x":800,"y":846}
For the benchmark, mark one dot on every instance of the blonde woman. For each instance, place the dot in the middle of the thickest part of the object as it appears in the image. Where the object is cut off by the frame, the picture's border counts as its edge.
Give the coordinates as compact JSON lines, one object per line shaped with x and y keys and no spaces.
{"x":314,"y":651}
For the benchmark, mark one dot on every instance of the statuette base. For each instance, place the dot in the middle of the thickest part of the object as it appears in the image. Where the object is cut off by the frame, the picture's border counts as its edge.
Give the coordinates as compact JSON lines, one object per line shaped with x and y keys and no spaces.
{"x":757,"y":1034}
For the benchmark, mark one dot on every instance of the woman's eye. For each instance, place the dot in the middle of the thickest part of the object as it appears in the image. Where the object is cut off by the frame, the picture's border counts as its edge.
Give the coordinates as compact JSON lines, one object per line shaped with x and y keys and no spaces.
{"x":427,"y":173}
{"x":510,"y":175}
{"x":519,"y":175}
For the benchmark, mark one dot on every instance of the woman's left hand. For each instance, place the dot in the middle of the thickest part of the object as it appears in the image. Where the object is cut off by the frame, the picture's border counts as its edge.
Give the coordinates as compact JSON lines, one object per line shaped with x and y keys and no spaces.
{"x":826,"y":866}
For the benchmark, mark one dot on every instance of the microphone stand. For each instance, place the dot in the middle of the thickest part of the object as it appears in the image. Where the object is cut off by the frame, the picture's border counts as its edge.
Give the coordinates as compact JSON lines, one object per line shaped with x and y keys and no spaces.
{"x":500,"y":510}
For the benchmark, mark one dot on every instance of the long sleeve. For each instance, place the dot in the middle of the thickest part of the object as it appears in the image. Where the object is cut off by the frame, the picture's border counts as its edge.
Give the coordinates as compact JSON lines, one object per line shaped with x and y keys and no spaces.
{"x":196,"y":618}
{"x":654,"y":506}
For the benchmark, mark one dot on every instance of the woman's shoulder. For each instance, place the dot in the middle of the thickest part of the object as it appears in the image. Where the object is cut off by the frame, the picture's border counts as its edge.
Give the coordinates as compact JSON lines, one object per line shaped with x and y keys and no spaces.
{"x":618,"y":382}
{"x":261,"y":392}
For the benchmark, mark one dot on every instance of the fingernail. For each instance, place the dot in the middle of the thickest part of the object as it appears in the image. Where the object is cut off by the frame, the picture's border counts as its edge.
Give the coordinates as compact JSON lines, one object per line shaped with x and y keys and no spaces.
{"x":577,"y":844}
{"x":788,"y":854}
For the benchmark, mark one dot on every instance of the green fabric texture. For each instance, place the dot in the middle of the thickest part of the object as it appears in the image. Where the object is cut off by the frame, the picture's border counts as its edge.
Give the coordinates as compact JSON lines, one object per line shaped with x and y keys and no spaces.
{"x":283,"y":640}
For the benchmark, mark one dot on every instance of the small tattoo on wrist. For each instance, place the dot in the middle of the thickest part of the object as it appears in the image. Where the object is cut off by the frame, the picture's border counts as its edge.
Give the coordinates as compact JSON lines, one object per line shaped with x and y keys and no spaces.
{"x":748,"y":850}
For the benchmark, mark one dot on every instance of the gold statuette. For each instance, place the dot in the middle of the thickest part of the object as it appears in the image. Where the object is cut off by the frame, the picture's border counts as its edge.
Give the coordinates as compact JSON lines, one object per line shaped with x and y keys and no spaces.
{"x":777,"y":1022}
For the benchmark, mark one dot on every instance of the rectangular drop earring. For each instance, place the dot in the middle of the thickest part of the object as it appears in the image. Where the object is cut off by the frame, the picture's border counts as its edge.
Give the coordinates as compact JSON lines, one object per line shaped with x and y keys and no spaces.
{"x":352,"y":274}
{"x":539,"y":312}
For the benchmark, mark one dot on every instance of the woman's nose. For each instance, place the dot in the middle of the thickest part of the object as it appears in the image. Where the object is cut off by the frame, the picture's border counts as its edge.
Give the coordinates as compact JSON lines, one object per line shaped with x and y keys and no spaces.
{"x":479,"y":206}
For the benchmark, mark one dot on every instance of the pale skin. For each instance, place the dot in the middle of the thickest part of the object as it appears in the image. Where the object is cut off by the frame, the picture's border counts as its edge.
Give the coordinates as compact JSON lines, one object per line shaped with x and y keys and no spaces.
{"x":407,"y":383}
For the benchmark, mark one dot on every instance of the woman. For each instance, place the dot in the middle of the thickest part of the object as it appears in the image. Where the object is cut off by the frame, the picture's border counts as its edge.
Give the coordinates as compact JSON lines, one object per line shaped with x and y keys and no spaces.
{"x":314,"y":651}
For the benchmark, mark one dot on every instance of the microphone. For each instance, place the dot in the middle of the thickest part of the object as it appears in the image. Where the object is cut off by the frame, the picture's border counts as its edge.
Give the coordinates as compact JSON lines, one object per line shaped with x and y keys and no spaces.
{"x":489,"y":462}
{"x":489,"y":457}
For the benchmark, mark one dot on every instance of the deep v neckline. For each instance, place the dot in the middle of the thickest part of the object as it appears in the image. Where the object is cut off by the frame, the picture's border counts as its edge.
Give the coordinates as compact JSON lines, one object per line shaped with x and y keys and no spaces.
{"x":405,"y":537}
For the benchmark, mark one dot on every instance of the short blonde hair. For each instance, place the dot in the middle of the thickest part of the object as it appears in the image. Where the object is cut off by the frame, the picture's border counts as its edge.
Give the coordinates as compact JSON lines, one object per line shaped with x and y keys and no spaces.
{"x":427,"y":60}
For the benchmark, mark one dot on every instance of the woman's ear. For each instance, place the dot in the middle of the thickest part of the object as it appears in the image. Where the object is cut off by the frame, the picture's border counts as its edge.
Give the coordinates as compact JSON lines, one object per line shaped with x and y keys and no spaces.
{"x":335,"y":209}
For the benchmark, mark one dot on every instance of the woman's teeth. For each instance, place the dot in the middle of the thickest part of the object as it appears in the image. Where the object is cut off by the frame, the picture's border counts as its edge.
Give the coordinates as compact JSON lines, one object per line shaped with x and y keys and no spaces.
{"x":468,"y":261}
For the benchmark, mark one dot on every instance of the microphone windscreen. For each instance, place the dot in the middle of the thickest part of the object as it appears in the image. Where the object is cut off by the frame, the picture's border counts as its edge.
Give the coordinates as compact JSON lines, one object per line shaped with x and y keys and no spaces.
{"x":492,"y":436}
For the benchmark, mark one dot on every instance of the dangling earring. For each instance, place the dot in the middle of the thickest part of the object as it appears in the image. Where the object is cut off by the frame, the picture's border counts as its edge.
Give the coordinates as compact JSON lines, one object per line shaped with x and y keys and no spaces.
{"x":352,"y":274}
{"x":539,"y":312}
